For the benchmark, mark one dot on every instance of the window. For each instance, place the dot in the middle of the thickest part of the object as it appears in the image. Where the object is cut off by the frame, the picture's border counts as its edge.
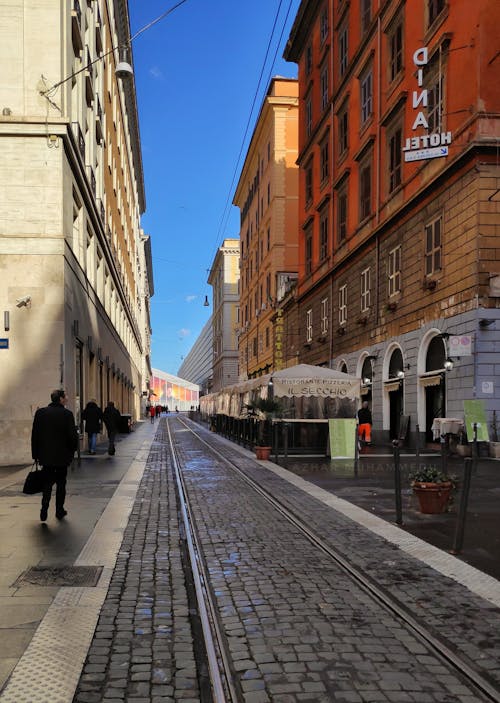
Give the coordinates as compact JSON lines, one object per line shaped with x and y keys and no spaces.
{"x":395,"y":50}
{"x":365,"y":290}
{"x":365,"y":189}
{"x":342,"y":215}
{"x":394,"y":271}
{"x":325,"y":159}
{"x":323,"y":28}
{"x":435,"y":7}
{"x":343,"y":50}
{"x":309,"y":183}
{"x":395,"y":138}
{"x":308,"y":116}
{"x":308,"y":250}
{"x":433,"y":247}
{"x":309,"y":326}
{"x":323,"y":235}
{"x":342,"y":305}
{"x":308,"y":60}
{"x":343,"y":130}
{"x":324,"y":88}
{"x":324,"y":316}
{"x":366,"y":97}
{"x":435,"y":102}
{"x":366,"y":15}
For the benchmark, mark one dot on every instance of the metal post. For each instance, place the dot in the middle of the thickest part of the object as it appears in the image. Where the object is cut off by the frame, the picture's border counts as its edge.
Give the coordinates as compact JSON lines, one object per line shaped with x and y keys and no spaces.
{"x":475,"y":448}
{"x":397,"y":484}
{"x":285,"y":444}
{"x":356,"y":451}
{"x":276,"y":441}
{"x":444,"y":455}
{"x":417,"y":446}
{"x":462,"y":512}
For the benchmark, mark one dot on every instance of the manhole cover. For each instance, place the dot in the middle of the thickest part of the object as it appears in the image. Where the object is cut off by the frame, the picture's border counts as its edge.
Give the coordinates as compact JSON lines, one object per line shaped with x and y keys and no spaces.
{"x":60,"y":576}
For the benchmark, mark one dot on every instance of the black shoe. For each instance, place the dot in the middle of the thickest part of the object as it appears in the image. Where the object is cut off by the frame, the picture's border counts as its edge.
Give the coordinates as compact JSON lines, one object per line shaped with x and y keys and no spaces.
{"x":61,"y":513}
{"x":43,"y":514}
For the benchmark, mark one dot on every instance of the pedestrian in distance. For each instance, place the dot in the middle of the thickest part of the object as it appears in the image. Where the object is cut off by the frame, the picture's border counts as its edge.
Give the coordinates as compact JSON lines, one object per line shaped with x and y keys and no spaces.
{"x":365,"y":423}
{"x":152,"y":413}
{"x":93,"y":423}
{"x":111,"y":417}
{"x":54,"y":440}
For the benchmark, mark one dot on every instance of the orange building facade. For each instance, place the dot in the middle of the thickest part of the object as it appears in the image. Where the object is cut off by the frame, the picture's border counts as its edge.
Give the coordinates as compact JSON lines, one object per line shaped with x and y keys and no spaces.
{"x":399,"y":201}
{"x":267,"y":195}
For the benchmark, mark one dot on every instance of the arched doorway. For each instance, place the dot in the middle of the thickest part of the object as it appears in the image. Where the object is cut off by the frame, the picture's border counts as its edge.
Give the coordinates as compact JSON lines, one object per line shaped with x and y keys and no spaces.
{"x":367,"y":379}
{"x":395,"y":388}
{"x":434,"y":384}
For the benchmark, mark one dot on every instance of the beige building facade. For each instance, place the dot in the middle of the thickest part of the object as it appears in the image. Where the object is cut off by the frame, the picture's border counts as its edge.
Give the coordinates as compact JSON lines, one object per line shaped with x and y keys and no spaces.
{"x":76,"y":275}
{"x":224,"y":278}
{"x":267,"y":195}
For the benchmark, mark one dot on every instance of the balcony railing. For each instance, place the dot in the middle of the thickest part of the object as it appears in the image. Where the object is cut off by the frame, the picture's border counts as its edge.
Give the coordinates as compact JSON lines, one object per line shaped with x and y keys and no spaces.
{"x":77,"y":131}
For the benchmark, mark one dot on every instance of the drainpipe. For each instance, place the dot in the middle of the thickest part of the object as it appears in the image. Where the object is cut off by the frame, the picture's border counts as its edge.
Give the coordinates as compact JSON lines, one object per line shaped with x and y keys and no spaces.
{"x":379,"y":160}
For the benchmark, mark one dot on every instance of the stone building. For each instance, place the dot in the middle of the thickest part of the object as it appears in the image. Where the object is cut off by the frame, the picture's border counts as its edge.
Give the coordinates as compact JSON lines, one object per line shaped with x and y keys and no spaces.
{"x":76,"y":267}
{"x":224,"y":278}
{"x":399,"y":203}
{"x":267,"y":195}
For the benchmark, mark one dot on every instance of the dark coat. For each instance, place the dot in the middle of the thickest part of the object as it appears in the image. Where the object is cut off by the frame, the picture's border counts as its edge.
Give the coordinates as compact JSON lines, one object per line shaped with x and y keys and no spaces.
{"x":54,"y":438}
{"x":112,"y":419}
{"x":93,"y":418}
{"x":365,"y":416}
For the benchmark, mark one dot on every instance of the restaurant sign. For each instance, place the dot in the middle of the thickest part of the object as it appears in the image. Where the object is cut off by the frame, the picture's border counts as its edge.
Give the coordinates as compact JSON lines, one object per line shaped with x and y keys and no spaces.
{"x":424,"y":146}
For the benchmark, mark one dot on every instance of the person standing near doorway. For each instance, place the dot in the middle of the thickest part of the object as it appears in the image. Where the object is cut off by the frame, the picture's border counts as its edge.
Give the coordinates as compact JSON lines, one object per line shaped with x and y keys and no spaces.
{"x":54,"y":440}
{"x":93,"y":423}
{"x":365,"y":423}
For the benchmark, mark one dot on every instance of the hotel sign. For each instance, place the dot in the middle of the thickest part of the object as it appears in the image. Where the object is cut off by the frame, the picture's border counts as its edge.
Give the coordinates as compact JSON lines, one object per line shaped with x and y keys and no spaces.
{"x":424,"y":146}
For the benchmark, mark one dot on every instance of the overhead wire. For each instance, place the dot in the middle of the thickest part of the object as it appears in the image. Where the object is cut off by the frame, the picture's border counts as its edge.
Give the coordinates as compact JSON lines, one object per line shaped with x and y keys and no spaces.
{"x":225,"y":213}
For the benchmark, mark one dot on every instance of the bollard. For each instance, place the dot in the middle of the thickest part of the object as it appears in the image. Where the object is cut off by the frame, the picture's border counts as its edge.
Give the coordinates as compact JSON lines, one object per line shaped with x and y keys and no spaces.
{"x":397,"y":483}
{"x":444,"y":454}
{"x":475,"y":449}
{"x":276,"y":441}
{"x":462,"y":512}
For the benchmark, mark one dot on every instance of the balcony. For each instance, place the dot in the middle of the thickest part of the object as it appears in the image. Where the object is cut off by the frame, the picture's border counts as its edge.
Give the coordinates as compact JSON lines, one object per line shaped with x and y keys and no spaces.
{"x":99,"y":125}
{"x":91,"y":179}
{"x":89,"y":78}
{"x":77,"y":131}
{"x":76,"y":27}
{"x":102,"y":211}
{"x":98,"y":31}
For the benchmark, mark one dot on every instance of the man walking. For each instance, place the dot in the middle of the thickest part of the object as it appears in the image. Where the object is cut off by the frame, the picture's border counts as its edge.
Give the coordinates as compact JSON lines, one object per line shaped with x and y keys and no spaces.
{"x":112,"y":419}
{"x":54,"y":440}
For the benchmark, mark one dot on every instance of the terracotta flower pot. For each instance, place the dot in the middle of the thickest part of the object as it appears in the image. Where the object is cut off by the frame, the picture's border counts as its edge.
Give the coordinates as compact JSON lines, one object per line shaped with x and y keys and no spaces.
{"x":262,"y":453}
{"x":432,"y":497}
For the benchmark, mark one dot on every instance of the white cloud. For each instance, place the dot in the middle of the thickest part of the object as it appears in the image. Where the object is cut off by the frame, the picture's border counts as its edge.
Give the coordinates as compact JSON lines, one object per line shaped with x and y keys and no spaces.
{"x":155,"y":72}
{"x":183,"y":333}
{"x":190,"y":298}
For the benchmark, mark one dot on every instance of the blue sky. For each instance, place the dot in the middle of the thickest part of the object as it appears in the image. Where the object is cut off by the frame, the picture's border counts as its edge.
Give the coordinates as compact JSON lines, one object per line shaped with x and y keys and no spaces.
{"x":197,"y":72}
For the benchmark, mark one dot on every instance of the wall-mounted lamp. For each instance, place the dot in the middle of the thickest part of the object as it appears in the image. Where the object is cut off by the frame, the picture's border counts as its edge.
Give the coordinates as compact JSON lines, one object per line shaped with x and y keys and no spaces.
{"x":372,"y":357}
{"x":485,"y":323}
{"x":448,"y":364}
{"x":6,"y":320}
{"x":367,"y":381}
{"x":206,"y":304}
{"x":444,"y":335}
{"x":400,"y":374}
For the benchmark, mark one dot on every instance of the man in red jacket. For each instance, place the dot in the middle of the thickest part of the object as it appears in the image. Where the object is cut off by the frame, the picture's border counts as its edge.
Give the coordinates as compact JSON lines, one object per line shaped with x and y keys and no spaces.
{"x":54,"y":440}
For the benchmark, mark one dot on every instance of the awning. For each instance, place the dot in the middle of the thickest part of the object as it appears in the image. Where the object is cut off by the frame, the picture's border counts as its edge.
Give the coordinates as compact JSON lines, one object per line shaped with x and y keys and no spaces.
{"x":427,"y":381}
{"x":317,"y":381}
{"x":392,"y":386}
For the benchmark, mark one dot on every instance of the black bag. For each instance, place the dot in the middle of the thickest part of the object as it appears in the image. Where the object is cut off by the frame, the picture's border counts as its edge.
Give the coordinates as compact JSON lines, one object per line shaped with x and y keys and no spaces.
{"x":35,"y":480}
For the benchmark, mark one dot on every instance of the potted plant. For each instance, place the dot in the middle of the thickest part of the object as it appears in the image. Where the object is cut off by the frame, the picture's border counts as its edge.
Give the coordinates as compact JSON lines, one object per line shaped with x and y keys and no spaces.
{"x":433,"y":489}
{"x":270,"y":408}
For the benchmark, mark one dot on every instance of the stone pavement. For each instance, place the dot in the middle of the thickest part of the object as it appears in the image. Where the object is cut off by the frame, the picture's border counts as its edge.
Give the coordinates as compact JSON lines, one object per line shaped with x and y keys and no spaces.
{"x":269,"y":591}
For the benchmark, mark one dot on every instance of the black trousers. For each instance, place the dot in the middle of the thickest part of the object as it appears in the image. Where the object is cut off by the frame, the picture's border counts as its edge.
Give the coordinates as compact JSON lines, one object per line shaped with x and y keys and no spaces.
{"x":57,"y":475}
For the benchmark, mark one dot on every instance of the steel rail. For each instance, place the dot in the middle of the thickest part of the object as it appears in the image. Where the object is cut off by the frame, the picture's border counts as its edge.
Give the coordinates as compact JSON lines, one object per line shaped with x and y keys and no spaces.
{"x":444,"y":652}
{"x":218,"y":664}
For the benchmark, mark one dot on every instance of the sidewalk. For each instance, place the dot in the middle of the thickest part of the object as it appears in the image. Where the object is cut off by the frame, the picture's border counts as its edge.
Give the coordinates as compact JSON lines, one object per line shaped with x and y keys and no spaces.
{"x":26,"y":542}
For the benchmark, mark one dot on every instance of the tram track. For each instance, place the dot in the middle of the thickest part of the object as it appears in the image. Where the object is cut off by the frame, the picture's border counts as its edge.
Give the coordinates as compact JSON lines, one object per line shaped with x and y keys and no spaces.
{"x":224,"y":688}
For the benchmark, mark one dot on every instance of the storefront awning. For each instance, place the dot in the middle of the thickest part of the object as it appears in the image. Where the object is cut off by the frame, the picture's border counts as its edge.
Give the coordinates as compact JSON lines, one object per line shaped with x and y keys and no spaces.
{"x":427,"y":381}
